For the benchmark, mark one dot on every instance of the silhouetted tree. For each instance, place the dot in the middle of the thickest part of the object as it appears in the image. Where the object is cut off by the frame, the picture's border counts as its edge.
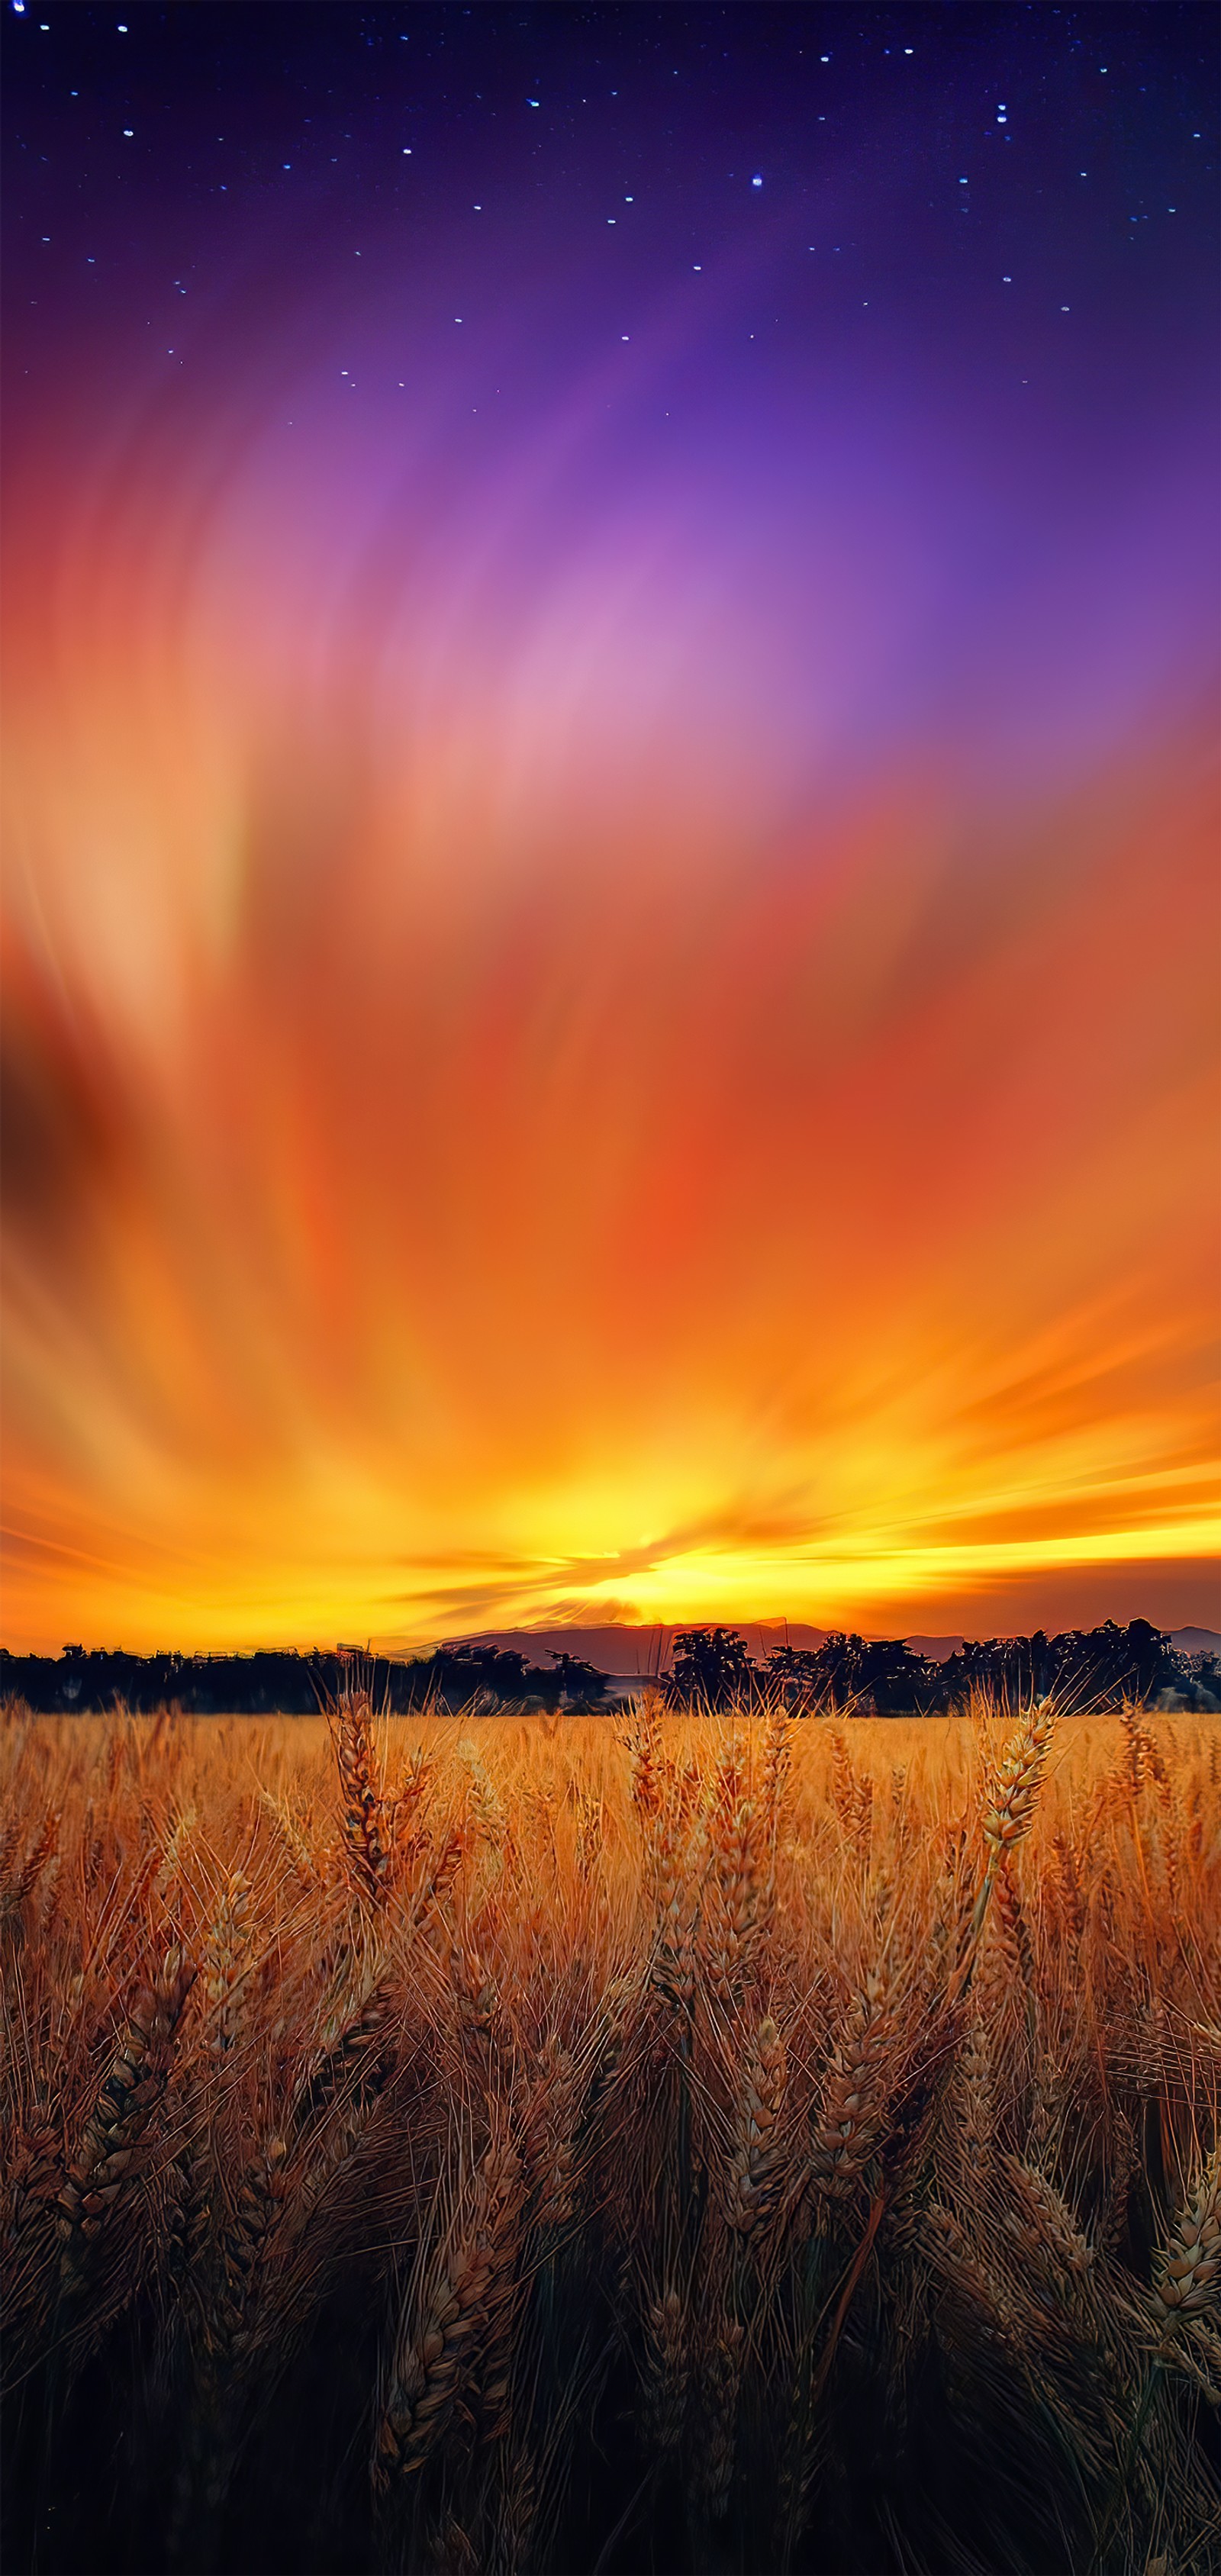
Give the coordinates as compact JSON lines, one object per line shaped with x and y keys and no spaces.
{"x":881,"y":1676}
{"x":710,"y":1667}
{"x":894,"y":1680}
{"x":576,"y":1684}
{"x":1096,"y":1667}
{"x":793,"y":1675}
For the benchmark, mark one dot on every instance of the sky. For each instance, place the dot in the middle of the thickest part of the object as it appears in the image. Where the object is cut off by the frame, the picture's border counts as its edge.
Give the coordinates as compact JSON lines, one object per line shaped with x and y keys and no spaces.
{"x":610,"y":911}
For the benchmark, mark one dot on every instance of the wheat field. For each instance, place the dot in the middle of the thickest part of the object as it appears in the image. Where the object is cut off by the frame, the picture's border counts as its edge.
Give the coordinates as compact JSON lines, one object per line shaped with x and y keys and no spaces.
{"x":666,"y":2142}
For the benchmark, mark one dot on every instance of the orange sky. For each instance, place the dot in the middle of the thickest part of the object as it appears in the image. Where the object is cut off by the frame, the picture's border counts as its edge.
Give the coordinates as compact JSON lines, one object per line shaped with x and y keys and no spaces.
{"x":489,"y":1143}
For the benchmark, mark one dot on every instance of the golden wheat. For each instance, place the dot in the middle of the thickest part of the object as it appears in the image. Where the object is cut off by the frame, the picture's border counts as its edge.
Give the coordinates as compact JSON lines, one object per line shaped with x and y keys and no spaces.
{"x":650,"y":2105}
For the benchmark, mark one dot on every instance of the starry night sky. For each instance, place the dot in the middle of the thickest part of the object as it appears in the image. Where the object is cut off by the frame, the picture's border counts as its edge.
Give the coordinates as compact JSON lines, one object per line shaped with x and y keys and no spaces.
{"x":611,"y":907}
{"x":929,"y":155}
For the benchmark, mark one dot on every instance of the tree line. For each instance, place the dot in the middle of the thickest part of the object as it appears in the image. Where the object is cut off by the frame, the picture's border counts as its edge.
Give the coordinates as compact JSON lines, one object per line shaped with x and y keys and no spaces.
{"x":710,"y":1667}
{"x":1098,"y":1667}
{"x":295,"y":1684}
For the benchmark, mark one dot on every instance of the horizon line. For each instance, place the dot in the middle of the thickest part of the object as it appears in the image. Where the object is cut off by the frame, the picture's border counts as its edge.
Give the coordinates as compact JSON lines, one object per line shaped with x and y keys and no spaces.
{"x":654,"y":1630}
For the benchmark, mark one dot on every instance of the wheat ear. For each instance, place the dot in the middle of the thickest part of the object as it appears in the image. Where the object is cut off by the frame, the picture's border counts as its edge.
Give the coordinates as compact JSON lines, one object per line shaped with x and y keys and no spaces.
{"x":1187,"y":2280}
{"x":435,"y":2344}
{"x":861,"y":2067}
{"x":366,"y":1839}
{"x":669,"y":2370}
{"x":753,"y":2179}
{"x":225,"y":1964}
{"x":125,"y":2101}
{"x":722,"y":2383}
{"x":22,"y":1882}
{"x":548,"y":2139}
{"x":1012,"y":1796}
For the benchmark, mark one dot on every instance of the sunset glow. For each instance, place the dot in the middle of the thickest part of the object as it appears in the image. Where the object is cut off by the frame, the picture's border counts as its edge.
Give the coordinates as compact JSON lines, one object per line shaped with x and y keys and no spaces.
{"x":610,"y":949}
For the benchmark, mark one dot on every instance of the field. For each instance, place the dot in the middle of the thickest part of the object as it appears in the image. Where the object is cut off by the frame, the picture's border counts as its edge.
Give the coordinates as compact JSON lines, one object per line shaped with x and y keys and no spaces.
{"x":612,"y":2144}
